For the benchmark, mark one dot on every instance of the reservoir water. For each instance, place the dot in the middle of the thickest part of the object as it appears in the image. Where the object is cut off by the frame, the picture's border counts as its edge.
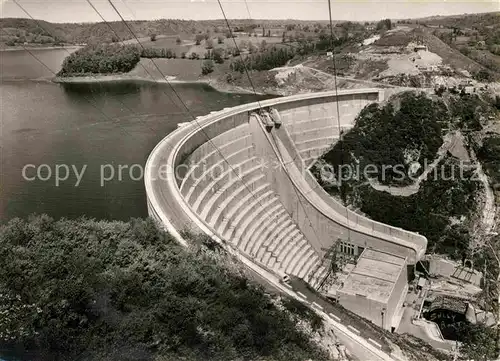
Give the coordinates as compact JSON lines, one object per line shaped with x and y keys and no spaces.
{"x":90,"y":128}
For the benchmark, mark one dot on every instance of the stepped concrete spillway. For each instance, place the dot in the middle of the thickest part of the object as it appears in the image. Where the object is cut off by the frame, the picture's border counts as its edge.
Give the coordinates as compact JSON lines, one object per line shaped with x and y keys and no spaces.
{"x":244,"y":180}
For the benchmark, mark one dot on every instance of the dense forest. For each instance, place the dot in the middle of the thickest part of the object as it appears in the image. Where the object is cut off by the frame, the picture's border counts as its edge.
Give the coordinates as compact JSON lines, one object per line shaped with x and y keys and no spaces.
{"x":270,"y":58}
{"x":88,"y":290}
{"x":408,"y":130}
{"x":393,"y":135}
{"x":431,"y":211}
{"x":101,"y":59}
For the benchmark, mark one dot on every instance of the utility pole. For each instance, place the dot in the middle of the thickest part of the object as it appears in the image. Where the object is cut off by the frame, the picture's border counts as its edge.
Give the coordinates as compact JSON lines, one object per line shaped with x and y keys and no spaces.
{"x":383,"y":313}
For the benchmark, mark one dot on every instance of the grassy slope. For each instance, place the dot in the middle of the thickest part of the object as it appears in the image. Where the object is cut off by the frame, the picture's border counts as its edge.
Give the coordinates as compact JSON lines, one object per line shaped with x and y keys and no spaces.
{"x":450,"y":55}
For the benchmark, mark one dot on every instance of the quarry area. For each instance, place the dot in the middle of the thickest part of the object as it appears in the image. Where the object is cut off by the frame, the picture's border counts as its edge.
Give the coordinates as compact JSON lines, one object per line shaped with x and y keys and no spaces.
{"x":401,"y":58}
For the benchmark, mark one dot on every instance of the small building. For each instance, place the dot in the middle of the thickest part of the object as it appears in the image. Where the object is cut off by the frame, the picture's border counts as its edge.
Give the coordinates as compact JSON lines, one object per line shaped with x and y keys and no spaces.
{"x":440,"y":266}
{"x":376,"y":288}
{"x":420,"y":47}
{"x":421,"y":283}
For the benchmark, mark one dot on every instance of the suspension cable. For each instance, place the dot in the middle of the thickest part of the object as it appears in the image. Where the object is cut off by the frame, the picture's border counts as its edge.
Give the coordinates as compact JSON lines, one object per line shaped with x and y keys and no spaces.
{"x":119,"y":39}
{"x":255,"y":92}
{"x":272,"y":135}
{"x":342,"y":191}
{"x":67,"y":51}
{"x":239,"y":52}
{"x":87,"y":99}
{"x":209,"y":140}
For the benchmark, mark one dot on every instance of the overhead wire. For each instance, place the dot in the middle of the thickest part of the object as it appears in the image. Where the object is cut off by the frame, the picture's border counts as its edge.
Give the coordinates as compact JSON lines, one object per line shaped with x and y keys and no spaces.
{"x":238,"y":50}
{"x":246,"y":70}
{"x":87,"y":99}
{"x":272,"y":135}
{"x":138,"y":42}
{"x":67,"y":51}
{"x":337,"y":109}
{"x":342,"y":190}
{"x":209,"y":139}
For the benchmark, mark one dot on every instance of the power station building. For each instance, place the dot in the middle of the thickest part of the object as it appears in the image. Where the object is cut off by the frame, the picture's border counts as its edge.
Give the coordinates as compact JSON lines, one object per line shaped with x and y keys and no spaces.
{"x":375,"y":288}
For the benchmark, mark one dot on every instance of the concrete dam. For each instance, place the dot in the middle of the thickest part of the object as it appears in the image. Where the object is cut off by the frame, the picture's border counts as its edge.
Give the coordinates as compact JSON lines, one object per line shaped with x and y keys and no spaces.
{"x":242,"y":177}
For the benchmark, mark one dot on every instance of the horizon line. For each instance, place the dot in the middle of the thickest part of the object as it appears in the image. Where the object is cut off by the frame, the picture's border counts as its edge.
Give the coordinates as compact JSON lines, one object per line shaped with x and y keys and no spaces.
{"x":250,"y":19}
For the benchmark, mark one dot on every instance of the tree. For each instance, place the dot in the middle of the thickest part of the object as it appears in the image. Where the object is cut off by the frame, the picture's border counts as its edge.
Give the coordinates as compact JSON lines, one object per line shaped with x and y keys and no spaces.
{"x":479,"y":342}
{"x":235,"y":51}
{"x":207,"y":67}
{"x":153,"y":37}
{"x":263,"y":45}
{"x":183,"y":55}
{"x":217,"y":55}
{"x":194,"y":56}
{"x":229,"y":34}
{"x":209,"y":44}
{"x":266,"y":60}
{"x":178,"y":41}
{"x":440,"y":90}
{"x":483,"y":76}
{"x":220,"y":40}
{"x":199,"y":38}
{"x":252,"y":48}
{"x":384,"y":24}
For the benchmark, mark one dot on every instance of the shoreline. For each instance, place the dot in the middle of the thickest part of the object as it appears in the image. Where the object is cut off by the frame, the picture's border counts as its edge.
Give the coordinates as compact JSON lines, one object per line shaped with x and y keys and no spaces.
{"x":69,"y":47}
{"x":213,"y":83}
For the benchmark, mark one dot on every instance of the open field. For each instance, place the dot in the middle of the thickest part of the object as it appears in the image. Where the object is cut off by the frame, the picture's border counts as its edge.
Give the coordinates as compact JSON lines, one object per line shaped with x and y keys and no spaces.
{"x":182,"y":69}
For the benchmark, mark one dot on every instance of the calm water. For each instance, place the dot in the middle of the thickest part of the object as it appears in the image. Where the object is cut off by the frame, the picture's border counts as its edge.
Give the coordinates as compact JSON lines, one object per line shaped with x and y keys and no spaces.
{"x":98,"y":125}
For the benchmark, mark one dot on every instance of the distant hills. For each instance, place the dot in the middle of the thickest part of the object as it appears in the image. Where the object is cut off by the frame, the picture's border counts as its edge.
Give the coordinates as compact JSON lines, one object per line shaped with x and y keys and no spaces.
{"x":27,"y":30}
{"x":464,"y":20}
{"x":44,"y":32}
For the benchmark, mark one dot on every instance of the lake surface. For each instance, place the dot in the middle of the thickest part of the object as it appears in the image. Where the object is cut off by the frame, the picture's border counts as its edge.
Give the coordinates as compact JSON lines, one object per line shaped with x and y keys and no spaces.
{"x":99,"y":126}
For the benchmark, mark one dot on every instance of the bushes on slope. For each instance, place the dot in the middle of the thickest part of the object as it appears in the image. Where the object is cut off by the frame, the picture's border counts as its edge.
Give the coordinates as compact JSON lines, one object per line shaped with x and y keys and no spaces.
{"x":117,"y":291}
{"x":410,"y":126}
{"x":385,"y":136}
{"x":429,"y":211}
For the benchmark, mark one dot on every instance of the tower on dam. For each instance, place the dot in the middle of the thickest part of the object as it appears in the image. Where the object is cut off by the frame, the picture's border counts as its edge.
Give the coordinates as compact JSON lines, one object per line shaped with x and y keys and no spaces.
{"x":242,"y":176}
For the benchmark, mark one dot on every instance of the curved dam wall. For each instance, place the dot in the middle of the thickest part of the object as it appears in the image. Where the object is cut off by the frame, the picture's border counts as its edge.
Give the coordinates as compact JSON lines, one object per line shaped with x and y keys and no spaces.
{"x":229,"y":175}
